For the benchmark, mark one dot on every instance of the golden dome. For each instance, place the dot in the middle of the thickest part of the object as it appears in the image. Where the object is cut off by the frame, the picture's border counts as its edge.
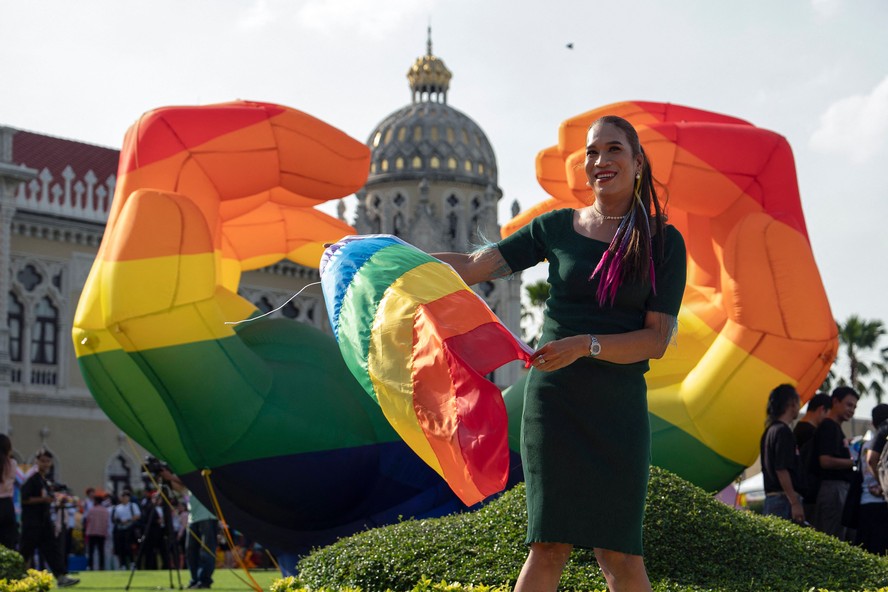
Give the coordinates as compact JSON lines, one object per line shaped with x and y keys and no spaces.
{"x":429,"y":78}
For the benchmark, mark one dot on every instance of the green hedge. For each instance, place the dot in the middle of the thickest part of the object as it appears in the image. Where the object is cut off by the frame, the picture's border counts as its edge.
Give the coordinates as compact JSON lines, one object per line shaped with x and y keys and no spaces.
{"x":12,"y":565}
{"x":693,"y":543}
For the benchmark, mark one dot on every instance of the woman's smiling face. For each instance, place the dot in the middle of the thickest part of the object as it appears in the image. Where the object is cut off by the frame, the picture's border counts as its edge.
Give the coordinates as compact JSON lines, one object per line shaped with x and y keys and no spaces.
{"x":610,"y":165}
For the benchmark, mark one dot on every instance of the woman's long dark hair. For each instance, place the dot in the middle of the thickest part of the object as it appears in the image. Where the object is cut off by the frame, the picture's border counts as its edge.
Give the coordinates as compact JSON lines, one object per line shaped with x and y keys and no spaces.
{"x":779,"y":398}
{"x":630,"y":254}
{"x":5,"y":450}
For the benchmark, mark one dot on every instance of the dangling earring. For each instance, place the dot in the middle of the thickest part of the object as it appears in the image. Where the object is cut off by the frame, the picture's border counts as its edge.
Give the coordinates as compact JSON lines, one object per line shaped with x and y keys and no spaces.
{"x":638,"y":187}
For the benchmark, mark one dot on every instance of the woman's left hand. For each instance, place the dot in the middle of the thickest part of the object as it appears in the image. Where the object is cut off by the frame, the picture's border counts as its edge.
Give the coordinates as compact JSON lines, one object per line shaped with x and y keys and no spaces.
{"x":560,"y":353}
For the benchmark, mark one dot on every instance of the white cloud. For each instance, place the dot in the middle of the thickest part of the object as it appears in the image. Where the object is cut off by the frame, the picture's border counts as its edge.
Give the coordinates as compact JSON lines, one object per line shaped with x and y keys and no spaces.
{"x":257,"y":16}
{"x":856,"y":125}
{"x":826,"y":8}
{"x":373,"y":20}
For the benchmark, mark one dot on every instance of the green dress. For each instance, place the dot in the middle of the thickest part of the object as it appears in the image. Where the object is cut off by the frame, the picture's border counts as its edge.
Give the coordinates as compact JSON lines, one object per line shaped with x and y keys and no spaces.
{"x":585,"y":435}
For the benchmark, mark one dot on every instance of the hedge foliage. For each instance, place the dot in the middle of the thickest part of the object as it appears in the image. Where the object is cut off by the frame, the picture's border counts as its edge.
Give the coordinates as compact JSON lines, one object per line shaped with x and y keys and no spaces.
{"x":294,"y":584}
{"x":693,"y":543}
{"x":33,"y":581}
{"x":12,"y":564}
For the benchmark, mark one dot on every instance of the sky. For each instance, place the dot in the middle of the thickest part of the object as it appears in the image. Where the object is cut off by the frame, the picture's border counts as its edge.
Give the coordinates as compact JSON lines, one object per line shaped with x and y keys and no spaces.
{"x":814,"y":71}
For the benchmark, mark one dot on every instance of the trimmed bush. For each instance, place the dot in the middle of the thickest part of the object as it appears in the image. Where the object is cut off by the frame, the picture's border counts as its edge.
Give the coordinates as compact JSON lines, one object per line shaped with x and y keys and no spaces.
{"x":693,"y":543}
{"x":12,"y":564}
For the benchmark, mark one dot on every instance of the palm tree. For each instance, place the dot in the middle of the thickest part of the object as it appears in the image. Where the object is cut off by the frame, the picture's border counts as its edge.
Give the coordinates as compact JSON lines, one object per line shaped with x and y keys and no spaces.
{"x":860,"y":339}
{"x":537,"y":293}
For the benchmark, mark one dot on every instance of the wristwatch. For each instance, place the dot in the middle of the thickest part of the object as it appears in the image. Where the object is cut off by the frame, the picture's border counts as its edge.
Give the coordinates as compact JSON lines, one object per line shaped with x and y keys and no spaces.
{"x":594,"y":346}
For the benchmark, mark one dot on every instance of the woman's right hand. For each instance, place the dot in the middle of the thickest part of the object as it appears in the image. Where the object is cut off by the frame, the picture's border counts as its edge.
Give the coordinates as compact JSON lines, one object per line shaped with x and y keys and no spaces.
{"x":560,"y":353}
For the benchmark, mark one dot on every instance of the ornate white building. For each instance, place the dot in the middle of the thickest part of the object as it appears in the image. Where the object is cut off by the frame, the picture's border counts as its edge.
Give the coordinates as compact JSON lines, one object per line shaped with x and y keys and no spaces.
{"x":433,"y":182}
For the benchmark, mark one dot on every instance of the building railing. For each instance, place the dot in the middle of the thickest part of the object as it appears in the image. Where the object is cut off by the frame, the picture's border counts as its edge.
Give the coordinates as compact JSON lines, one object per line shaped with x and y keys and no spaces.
{"x":39,"y":374}
{"x":87,"y":198}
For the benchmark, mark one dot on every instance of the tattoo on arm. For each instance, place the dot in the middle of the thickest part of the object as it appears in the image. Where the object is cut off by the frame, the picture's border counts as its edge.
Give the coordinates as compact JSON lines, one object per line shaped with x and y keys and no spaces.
{"x":671,"y":329}
{"x":499,"y":267}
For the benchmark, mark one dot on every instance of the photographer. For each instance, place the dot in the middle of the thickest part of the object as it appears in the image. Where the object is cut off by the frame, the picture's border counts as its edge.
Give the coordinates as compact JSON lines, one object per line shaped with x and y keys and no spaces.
{"x":158,"y":538}
{"x":203,"y":532}
{"x":38,"y":531}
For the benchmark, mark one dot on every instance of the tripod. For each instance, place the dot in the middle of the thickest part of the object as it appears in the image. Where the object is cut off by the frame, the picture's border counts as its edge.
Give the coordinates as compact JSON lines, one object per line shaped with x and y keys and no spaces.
{"x":171,"y":556}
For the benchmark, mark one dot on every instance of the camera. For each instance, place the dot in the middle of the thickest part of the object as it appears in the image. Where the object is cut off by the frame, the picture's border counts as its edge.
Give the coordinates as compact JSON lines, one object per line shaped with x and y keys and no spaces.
{"x":153,"y":477}
{"x":52,"y":487}
{"x":154,"y":466}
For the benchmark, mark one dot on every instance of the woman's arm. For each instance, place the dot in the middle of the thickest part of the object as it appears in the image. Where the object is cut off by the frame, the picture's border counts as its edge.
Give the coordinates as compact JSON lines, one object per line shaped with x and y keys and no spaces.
{"x":477,"y":267}
{"x":621,"y":348}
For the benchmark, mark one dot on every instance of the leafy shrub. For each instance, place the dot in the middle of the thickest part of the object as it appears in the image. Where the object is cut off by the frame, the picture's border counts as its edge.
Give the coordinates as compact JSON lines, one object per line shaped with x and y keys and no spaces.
{"x":293,"y":584}
{"x":12,"y":564}
{"x":693,"y":543}
{"x":692,"y":538}
{"x":33,"y":581}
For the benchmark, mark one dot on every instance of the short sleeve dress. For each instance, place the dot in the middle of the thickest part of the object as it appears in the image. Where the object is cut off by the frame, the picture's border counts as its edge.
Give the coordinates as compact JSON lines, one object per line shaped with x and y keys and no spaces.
{"x":585,"y":434}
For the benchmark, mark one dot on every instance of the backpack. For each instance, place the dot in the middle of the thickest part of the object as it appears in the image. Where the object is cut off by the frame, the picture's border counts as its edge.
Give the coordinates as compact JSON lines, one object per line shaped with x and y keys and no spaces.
{"x":882,"y":472}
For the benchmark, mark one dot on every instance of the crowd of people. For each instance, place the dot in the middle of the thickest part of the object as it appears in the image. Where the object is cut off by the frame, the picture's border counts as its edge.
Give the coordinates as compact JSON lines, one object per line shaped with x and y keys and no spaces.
{"x":814,"y":475}
{"x":165,"y":528}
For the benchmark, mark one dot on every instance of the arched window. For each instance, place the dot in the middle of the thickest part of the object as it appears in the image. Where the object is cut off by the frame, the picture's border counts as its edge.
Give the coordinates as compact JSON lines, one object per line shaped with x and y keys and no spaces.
{"x":376,"y":139}
{"x":417,"y":133}
{"x":435,"y":162}
{"x":290,"y":310}
{"x":385,"y":165}
{"x":399,"y":163}
{"x":402,"y":134}
{"x":44,"y":339}
{"x":264,"y":305}
{"x":16,"y":321}
{"x":452,"y":225}
{"x":434,"y":133}
{"x":417,"y":162}
{"x":450,"y":136}
{"x":451,"y":163}
{"x":388,"y":135}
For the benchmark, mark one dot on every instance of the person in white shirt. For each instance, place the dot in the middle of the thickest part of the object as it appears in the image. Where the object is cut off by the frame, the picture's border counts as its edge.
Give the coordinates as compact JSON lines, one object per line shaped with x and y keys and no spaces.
{"x":124,"y":518}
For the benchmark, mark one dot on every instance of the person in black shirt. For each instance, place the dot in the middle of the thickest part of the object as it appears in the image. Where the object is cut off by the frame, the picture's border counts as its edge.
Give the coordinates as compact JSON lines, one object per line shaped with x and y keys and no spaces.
{"x":37,"y":528}
{"x":835,"y":462}
{"x":816,"y":410}
{"x":780,"y":456}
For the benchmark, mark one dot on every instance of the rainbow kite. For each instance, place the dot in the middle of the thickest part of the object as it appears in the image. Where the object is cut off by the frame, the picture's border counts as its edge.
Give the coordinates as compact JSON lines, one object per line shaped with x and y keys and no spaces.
{"x":420,"y":342}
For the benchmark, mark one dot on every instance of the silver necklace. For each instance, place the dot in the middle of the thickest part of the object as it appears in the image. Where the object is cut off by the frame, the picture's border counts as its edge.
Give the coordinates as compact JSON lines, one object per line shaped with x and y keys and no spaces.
{"x":606,"y":217}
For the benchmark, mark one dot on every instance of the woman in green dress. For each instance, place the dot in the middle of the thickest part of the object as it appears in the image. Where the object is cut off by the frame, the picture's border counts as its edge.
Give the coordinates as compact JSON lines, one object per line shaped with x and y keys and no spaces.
{"x":617,"y":275}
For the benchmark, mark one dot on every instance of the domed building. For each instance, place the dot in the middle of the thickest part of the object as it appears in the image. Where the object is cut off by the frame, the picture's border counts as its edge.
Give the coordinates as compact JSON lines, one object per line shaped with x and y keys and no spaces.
{"x":433,"y":183}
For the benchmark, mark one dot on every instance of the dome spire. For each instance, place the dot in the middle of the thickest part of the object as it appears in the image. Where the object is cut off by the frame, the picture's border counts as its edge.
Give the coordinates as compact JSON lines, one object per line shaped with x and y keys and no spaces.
{"x":429,"y":78}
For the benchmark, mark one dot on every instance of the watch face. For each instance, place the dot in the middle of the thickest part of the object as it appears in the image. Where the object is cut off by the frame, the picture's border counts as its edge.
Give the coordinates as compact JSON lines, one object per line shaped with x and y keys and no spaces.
{"x":594,"y":347}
